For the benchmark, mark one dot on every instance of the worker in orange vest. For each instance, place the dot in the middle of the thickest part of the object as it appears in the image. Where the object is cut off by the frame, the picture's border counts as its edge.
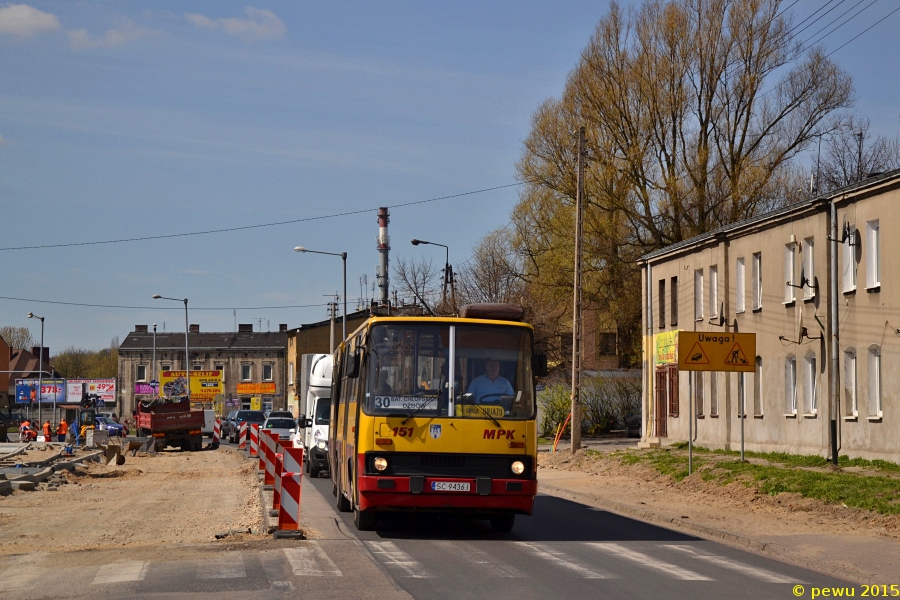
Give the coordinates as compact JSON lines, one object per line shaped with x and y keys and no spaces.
{"x":62,"y":430}
{"x":47,"y":430}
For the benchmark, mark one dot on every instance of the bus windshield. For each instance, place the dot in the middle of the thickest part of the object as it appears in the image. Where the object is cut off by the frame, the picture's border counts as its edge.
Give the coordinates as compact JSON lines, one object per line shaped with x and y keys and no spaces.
{"x":409,"y":371}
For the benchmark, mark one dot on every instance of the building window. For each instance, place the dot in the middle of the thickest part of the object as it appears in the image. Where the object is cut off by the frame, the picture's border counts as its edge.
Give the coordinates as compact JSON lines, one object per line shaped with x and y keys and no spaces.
{"x":757,"y":280}
{"x":873,"y":258}
{"x":672,"y":382}
{"x":790,"y":385}
{"x":875,"y":408}
{"x":673,"y":291}
{"x":220,"y":369}
{"x":267,"y":372}
{"x":849,"y":252}
{"x":698,"y":295}
{"x":789,"y":255}
{"x":197,"y":367}
{"x":713,"y":292}
{"x":607,"y":344}
{"x":141,"y":374}
{"x":246,"y":372}
{"x":662,"y":303}
{"x":291,"y":373}
{"x":166,"y":367}
{"x":811,"y":378}
{"x":713,"y":394}
{"x":808,"y":272}
{"x":758,"y":389}
{"x":698,"y":393}
{"x":739,"y":285}
{"x":851,"y":399}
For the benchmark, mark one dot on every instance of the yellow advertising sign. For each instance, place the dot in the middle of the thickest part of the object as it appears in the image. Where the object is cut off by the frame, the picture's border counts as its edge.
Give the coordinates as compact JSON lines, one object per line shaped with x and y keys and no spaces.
{"x":666,"y":347}
{"x":205,"y":385}
{"x":470,"y":410}
{"x":255,"y":403}
{"x":256,"y":388}
{"x":704,"y":351}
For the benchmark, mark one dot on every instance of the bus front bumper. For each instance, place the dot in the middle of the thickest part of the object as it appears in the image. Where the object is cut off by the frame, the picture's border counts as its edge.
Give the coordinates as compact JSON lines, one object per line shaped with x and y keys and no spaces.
{"x":417,"y":493}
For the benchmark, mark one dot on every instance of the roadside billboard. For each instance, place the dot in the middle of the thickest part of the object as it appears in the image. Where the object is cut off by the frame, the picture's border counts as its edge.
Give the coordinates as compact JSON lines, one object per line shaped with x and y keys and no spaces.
{"x":256,"y":388}
{"x":205,"y":385}
{"x":52,"y":390}
{"x":103,"y":389}
{"x":146,"y":389}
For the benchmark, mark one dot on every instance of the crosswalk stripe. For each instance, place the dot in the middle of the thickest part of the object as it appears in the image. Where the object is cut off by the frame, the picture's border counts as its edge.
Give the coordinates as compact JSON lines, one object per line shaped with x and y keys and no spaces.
{"x":392,"y":556}
{"x":229,"y":566}
{"x":480,"y":558}
{"x":121,"y":572}
{"x":721,"y":561}
{"x":310,"y":559}
{"x":563,"y":561}
{"x":648,"y":561}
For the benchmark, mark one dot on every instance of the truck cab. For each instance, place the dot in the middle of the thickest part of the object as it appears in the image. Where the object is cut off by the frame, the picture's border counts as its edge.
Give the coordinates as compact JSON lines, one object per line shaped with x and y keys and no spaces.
{"x":315,"y":410}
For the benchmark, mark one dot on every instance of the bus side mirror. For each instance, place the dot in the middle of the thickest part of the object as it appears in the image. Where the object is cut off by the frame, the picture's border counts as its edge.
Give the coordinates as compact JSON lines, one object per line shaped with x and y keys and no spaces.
{"x":353,"y":365}
{"x":539,"y":365}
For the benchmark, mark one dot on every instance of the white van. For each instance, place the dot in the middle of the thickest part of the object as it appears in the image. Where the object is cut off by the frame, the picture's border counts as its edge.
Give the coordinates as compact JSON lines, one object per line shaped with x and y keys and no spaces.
{"x":315,"y":388}
{"x":209,"y":422}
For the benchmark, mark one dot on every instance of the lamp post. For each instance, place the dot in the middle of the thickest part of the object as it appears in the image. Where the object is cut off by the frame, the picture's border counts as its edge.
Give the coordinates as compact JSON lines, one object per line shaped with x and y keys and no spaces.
{"x":446,"y":264}
{"x":153,"y":369}
{"x":41,"y":370}
{"x":187,"y":357}
{"x":343,"y":256}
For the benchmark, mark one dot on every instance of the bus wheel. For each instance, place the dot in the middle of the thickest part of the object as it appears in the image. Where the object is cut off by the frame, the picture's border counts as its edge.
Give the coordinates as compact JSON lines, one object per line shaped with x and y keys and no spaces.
{"x":503,"y":523}
{"x":364,"y":520}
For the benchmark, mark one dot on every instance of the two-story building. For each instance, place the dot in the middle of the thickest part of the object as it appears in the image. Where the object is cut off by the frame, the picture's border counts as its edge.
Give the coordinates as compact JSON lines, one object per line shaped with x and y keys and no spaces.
{"x":818,"y":282}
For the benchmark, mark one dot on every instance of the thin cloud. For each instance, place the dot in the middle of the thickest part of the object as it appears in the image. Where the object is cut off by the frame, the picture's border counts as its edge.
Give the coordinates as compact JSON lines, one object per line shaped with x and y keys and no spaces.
{"x":259,"y":24}
{"x":129,"y":31}
{"x":22,"y":21}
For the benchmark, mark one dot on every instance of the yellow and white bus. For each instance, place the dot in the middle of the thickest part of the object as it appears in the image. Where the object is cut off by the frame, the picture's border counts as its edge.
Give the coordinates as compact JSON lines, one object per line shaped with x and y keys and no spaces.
{"x":436,"y":414}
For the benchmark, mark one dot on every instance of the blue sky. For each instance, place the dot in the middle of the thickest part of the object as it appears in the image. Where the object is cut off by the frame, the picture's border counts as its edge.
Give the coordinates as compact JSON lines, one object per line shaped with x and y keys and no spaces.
{"x":123,"y":119}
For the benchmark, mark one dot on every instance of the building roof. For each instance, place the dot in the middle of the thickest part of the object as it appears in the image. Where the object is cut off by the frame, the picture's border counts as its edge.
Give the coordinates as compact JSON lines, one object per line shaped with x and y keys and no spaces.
{"x":25,"y":365}
{"x":365,"y":313}
{"x":774,"y":215}
{"x":270,"y":340}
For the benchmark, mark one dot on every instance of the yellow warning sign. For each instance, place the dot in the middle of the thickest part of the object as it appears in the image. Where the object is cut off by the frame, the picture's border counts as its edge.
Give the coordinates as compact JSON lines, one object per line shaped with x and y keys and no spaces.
{"x":711,"y":351}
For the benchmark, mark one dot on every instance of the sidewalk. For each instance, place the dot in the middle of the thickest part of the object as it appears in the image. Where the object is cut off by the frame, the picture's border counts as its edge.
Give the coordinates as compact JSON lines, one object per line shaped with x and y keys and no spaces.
{"x":792,"y":533}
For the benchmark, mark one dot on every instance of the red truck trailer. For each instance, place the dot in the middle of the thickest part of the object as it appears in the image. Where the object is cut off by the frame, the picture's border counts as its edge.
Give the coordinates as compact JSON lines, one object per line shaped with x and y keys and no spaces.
{"x":171,"y":422}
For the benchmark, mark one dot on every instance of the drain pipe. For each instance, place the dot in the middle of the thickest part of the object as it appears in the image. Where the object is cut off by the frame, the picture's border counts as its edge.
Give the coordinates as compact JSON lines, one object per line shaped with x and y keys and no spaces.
{"x":833,"y":333}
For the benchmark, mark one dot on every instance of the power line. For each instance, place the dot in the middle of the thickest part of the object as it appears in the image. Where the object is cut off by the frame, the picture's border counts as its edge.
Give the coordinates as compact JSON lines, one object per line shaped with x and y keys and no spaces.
{"x":159,"y":307}
{"x":261,"y":225}
{"x":863,"y":31}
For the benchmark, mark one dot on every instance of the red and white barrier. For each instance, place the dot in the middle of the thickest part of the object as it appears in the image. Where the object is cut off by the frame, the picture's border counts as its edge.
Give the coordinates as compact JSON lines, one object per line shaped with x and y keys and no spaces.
{"x":276,"y":489}
{"x":270,"y":450}
{"x":243,"y":435}
{"x":292,"y":460}
{"x":262,"y":452}
{"x":289,"y":511}
{"x":254,"y":439}
{"x":217,"y":432}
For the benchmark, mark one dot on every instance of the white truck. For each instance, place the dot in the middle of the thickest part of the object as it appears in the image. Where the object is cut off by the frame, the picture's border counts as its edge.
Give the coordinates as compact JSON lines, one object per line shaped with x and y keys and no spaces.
{"x":315,"y":410}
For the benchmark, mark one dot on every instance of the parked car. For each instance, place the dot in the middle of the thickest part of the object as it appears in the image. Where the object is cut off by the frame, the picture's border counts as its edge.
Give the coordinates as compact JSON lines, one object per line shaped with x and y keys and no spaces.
{"x":107,"y":424}
{"x":243,"y":416}
{"x":226,"y":425}
{"x":280,"y":413}
{"x":633,"y":425}
{"x":285,"y":427}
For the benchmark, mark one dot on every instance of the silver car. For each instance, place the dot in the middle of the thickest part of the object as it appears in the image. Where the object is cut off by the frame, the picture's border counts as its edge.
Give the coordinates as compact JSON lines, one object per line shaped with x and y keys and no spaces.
{"x":283,"y":426}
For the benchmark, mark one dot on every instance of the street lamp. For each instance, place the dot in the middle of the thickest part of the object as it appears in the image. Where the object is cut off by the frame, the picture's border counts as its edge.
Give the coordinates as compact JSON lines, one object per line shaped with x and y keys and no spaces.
{"x":41,"y":370}
{"x":343,"y":256}
{"x":416,"y":242}
{"x":153,"y":369}
{"x":187,"y":357}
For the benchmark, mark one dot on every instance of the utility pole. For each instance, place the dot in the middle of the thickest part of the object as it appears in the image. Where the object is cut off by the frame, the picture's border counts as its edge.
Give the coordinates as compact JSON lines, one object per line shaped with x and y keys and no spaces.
{"x":576,"y":312}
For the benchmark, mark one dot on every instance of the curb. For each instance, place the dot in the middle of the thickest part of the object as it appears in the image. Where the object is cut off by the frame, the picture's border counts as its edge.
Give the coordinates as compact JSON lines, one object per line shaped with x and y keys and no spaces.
{"x":41,"y":476}
{"x":652,"y":517}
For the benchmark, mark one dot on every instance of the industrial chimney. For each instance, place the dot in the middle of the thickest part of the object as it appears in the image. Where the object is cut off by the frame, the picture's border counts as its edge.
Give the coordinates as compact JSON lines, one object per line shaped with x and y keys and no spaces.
{"x":384,"y":246}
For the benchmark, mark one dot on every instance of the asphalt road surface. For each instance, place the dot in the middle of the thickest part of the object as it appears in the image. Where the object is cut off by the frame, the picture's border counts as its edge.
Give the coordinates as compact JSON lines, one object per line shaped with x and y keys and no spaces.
{"x":566,"y":550}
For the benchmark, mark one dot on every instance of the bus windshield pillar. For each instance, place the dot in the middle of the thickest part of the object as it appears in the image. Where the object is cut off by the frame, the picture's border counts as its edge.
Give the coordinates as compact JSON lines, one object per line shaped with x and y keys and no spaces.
{"x":451,"y":374}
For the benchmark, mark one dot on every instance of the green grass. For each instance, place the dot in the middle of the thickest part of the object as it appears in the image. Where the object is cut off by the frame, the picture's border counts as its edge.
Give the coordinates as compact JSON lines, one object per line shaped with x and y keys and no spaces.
{"x":876,"y":493}
{"x":797,"y":460}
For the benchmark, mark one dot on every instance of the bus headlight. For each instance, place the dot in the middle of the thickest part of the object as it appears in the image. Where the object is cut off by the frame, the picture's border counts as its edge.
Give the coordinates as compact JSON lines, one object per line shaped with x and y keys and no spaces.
{"x":380,"y":463}
{"x":518,"y":467}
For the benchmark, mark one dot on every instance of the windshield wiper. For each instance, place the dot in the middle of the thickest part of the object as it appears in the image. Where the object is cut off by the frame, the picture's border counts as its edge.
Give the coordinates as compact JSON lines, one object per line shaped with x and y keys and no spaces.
{"x":466,"y":400}
{"x":417,"y":410}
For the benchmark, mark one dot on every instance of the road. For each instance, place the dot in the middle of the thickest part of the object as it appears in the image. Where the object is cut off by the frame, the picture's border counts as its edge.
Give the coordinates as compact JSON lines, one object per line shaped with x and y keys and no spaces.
{"x":566,"y":550}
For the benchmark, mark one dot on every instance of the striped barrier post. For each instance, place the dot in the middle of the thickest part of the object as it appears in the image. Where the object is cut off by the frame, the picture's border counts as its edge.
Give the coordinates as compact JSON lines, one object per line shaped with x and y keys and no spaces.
{"x":254,"y":439}
{"x":271,"y":445}
{"x":289,"y":511}
{"x":286,"y":443}
{"x":276,"y":489}
{"x":217,"y":431}
{"x":292,"y":460}
{"x":243,"y":435}
{"x":262,"y":451}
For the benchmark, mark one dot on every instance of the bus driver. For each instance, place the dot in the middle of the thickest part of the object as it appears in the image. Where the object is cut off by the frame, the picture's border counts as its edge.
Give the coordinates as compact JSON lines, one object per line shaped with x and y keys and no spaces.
{"x":491,"y":385}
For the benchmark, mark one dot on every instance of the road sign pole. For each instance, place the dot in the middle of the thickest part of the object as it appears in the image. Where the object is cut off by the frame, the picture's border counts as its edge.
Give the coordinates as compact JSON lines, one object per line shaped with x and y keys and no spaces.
{"x":743,"y":413}
{"x":690,"y":423}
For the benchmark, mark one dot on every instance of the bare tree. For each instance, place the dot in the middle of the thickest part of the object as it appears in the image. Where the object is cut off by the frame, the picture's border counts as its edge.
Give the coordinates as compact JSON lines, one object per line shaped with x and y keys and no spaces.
{"x":17,"y":337}
{"x":850,"y":154}
{"x":421,"y":280}
{"x":493,"y":273}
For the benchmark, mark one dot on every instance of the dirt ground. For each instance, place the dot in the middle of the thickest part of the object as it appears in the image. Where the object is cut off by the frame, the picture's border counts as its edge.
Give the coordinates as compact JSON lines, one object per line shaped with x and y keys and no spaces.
{"x":152,"y":500}
{"x":856,"y":543}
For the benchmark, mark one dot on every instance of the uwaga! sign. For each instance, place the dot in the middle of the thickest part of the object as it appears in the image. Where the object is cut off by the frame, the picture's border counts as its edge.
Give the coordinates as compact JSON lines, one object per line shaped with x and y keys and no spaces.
{"x":703,"y":351}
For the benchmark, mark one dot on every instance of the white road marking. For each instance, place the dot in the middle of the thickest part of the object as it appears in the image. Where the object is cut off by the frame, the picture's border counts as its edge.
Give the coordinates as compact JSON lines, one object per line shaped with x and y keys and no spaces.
{"x":649,"y":562}
{"x":310,"y":560}
{"x":121,"y":572}
{"x":392,"y":556}
{"x":480,"y":558}
{"x":563,"y":561}
{"x":228,"y":566}
{"x":721,"y":561}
